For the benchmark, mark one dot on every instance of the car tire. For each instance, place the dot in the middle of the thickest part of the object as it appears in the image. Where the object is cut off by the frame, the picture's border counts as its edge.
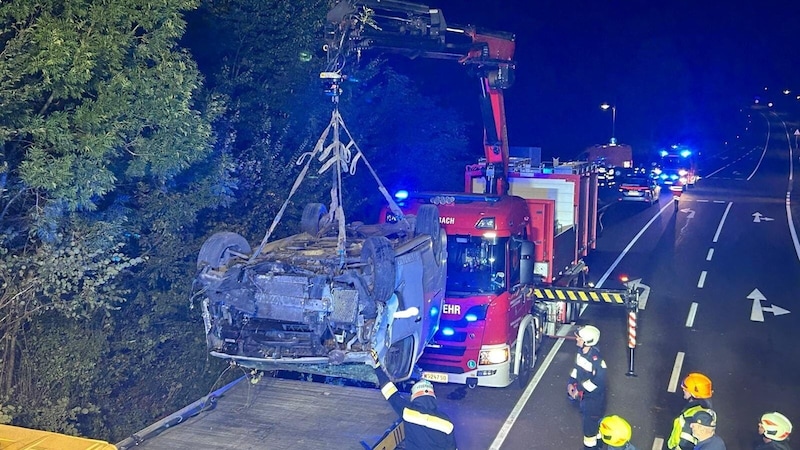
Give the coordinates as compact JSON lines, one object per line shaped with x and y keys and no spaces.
{"x":312,"y":218}
{"x":216,"y":250}
{"x":379,"y":270}
{"x":427,"y":222}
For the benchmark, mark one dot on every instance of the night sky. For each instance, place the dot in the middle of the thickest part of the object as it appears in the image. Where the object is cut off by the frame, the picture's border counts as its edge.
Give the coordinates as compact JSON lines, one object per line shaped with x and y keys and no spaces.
{"x":677,"y":71}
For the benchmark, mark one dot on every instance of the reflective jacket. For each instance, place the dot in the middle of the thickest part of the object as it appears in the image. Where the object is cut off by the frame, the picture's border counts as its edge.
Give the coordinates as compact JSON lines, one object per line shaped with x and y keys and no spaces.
{"x":589,"y":373}
{"x":681,"y":436}
{"x":426,"y":428}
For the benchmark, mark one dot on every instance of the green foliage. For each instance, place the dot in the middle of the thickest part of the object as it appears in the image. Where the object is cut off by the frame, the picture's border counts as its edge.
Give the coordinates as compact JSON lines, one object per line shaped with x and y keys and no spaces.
{"x":99,"y":118}
{"x":95,"y":95}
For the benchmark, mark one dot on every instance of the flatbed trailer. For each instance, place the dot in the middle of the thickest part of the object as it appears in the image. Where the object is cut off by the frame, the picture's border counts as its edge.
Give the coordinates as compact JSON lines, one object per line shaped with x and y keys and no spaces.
{"x":276,"y":413}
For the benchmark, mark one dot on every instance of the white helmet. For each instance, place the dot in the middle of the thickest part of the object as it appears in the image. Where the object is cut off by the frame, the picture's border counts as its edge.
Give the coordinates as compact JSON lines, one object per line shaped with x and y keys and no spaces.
{"x":776,"y":426}
{"x":589,"y":334}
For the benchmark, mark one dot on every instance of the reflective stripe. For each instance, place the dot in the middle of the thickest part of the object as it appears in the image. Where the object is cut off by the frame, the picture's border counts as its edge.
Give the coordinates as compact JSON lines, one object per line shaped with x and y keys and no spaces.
{"x":388,"y":390}
{"x":583,"y":363}
{"x":590,"y":441}
{"x":574,"y":373}
{"x":427,"y":421}
{"x":589,"y":385}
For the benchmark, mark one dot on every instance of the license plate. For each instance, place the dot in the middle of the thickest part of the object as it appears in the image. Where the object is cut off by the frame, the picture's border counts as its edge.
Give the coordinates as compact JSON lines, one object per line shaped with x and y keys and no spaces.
{"x":435,"y":377}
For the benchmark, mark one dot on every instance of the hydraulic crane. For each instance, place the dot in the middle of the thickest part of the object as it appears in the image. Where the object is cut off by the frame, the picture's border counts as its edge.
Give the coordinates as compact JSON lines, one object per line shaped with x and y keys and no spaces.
{"x":418,"y":31}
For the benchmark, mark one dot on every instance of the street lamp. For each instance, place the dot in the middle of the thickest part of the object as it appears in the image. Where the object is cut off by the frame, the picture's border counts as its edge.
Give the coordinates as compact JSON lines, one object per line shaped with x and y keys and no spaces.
{"x":604,"y":107}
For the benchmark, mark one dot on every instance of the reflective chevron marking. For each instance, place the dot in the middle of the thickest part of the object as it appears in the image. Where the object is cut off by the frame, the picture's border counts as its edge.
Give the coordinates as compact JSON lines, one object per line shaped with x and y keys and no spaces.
{"x":580,"y":295}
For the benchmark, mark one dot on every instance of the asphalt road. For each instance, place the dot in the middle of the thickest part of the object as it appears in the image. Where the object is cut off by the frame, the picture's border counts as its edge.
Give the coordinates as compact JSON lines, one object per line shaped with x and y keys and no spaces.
{"x":723,"y":274}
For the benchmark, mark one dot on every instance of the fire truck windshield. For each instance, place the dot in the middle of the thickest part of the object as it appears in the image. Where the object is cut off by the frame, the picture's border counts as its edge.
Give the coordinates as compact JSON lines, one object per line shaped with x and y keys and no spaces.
{"x":476,"y":265}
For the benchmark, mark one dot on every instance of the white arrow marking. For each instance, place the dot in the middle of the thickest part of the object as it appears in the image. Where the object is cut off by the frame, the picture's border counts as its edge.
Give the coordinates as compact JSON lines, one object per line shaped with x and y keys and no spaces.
{"x":777,"y":310}
{"x":756,"y":295}
{"x":688,"y":211}
{"x":758,"y":217}
{"x":644,"y":291}
{"x":756,"y":314}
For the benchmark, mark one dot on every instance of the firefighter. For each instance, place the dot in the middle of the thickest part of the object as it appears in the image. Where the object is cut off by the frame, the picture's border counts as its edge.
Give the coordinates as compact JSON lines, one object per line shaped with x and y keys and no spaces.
{"x":774,"y":429}
{"x":704,"y":427}
{"x":587,"y":383}
{"x":426,"y":427}
{"x":615,"y":432}
{"x":697,"y":391}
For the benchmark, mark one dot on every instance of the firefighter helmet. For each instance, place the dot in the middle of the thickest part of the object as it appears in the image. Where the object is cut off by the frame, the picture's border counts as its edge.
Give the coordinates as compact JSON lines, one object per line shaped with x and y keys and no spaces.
{"x":776,"y":426}
{"x":615,"y":431}
{"x":590,"y":335}
{"x":698,"y":385}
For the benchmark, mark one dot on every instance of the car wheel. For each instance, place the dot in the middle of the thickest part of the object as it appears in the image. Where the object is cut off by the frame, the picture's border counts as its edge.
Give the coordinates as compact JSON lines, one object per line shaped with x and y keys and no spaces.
{"x":379,"y":274}
{"x":527,"y":359}
{"x":428,"y":223}
{"x":312,"y":217}
{"x":216,"y":250}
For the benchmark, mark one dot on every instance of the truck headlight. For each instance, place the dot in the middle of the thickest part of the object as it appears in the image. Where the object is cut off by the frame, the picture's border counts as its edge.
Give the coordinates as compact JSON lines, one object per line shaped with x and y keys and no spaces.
{"x":493,"y":356}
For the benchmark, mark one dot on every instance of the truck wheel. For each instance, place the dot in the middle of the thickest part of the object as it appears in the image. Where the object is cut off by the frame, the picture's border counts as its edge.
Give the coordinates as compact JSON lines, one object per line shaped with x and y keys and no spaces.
{"x":527,"y":359}
{"x":379,"y":270}
{"x":216,"y":250}
{"x":312,"y":215}
{"x":428,"y":223}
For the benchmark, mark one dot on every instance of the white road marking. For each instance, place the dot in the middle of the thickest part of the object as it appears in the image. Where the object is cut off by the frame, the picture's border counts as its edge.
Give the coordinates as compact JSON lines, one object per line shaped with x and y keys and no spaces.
{"x":676,"y":373}
{"x":722,"y":221}
{"x":658,"y":444}
{"x":523,"y":399}
{"x":702,"y":279}
{"x":710,"y":254}
{"x":691,"y":316}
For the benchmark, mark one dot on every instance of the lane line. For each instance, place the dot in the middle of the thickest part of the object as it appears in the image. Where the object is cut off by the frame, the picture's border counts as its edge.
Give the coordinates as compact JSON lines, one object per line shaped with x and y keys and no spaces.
{"x":676,"y":373}
{"x":658,"y":444}
{"x":523,"y":399}
{"x":721,"y":222}
{"x":691,"y":316}
{"x":710,"y":254}
{"x":702,"y":279}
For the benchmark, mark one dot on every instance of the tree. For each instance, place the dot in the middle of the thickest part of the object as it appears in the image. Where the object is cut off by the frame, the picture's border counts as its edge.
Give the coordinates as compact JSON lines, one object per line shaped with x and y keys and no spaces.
{"x":98,"y":112}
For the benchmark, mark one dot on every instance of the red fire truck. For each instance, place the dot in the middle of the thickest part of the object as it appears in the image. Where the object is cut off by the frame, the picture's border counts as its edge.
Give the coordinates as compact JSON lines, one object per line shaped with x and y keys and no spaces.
{"x":517,"y":234}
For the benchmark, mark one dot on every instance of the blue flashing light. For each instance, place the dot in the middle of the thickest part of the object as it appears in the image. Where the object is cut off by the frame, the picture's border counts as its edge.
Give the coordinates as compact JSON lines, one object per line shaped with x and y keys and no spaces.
{"x":448,"y":331}
{"x":401,"y":195}
{"x":664,"y":176}
{"x":685,"y":153}
{"x":673,"y":177}
{"x":471,"y":317}
{"x":663,"y":153}
{"x":434,"y":311}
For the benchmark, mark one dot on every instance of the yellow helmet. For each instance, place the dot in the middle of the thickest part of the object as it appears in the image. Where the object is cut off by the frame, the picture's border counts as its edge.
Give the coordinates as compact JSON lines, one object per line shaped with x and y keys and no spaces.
{"x":615,"y":431}
{"x":698,"y":385}
{"x":776,"y":426}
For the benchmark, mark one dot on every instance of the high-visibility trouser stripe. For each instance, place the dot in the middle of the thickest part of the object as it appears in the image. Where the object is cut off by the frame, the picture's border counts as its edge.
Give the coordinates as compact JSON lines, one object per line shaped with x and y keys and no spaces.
{"x":582,"y":296}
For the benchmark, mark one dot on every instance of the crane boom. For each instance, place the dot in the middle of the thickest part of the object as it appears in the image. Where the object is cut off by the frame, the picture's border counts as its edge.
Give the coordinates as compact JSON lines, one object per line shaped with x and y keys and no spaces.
{"x":418,"y":31}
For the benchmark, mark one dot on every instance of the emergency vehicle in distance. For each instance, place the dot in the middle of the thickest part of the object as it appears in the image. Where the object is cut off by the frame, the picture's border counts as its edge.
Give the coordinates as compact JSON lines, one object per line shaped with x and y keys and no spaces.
{"x":515,"y":236}
{"x":608,"y":158}
{"x":677,"y":168}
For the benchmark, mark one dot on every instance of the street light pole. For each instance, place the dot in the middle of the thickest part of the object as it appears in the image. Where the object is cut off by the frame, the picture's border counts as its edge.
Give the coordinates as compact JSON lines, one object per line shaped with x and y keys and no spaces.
{"x":604,"y":107}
